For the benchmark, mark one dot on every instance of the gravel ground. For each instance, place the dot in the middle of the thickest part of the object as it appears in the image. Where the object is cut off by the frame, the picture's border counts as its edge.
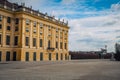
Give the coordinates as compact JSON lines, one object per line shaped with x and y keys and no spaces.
{"x":61,"y":70}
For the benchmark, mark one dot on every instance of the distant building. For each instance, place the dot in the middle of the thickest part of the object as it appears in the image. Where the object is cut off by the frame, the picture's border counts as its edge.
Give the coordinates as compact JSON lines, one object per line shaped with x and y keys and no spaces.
{"x":28,"y":35}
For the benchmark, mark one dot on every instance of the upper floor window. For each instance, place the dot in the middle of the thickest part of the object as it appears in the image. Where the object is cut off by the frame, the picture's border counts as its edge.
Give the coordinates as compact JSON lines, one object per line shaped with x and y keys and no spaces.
{"x":61,"y":45}
{"x":34,"y":24}
{"x":0,"y":18}
{"x":0,"y":26}
{"x":7,"y":40}
{"x":16,"y":28}
{"x":41,"y":42}
{"x":16,"y":40}
{"x":34,"y":31}
{"x":27,"y":21}
{"x":56,"y":44}
{"x":8,"y":28}
{"x":65,"y":45}
{"x":41,"y":25}
{"x":0,"y":39}
{"x":49,"y":44}
{"x":34,"y":42}
{"x":27,"y":29}
{"x":17,"y":21}
{"x":8,"y":20}
{"x":27,"y":41}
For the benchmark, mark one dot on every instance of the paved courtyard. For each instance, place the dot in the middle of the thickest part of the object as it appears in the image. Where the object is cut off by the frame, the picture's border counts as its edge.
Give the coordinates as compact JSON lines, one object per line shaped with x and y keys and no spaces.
{"x":61,"y":70}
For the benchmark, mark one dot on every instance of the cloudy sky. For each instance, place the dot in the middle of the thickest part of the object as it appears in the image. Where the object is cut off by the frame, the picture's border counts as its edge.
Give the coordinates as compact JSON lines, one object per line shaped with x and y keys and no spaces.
{"x":93,"y":23}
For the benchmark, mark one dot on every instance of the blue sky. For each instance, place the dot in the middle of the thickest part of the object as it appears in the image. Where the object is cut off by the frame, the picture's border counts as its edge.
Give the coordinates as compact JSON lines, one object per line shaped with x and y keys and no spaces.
{"x":93,"y":23}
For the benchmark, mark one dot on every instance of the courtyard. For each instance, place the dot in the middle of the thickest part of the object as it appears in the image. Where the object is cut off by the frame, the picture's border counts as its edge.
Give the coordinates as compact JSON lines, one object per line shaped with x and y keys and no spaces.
{"x":94,"y":69}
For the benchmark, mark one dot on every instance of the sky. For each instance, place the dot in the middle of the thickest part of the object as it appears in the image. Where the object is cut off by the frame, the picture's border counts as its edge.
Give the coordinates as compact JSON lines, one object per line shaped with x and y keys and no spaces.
{"x":93,"y":23}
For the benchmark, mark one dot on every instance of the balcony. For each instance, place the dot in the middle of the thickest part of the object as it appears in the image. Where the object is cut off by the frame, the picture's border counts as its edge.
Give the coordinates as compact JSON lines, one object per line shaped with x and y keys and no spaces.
{"x":50,"y":49}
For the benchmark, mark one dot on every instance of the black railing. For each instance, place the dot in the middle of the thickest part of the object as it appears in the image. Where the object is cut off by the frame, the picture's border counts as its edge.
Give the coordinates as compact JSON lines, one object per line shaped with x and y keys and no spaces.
{"x":50,"y":48}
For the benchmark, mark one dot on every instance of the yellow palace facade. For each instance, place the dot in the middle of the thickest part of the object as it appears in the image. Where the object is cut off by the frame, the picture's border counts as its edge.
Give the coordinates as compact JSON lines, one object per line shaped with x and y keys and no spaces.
{"x":28,"y":35}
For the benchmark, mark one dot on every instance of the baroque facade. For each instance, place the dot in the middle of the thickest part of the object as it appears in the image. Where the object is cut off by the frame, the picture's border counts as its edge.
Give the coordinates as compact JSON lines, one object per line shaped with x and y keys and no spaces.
{"x":29,"y":35}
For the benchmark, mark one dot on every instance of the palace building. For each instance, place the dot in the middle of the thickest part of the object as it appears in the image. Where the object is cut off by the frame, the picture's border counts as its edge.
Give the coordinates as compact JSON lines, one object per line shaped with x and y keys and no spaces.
{"x":29,"y":35}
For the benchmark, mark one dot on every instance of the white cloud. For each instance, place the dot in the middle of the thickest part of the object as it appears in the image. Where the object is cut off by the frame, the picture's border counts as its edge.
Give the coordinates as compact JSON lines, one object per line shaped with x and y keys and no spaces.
{"x":97,"y":30}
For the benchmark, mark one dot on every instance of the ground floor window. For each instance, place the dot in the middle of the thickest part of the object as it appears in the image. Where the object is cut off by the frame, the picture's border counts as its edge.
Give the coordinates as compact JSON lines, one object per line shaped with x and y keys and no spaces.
{"x":61,"y":56}
{"x":7,"y":56}
{"x":65,"y":56}
{"x":27,"y":56}
{"x":56,"y":56}
{"x":14,"y":56}
{"x":41,"y":56}
{"x":34,"y":56}
{"x":0,"y":55}
{"x":49,"y":56}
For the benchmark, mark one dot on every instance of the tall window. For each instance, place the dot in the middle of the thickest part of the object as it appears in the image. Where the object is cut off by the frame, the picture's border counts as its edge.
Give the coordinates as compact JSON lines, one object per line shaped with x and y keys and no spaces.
{"x":8,"y":20}
{"x":17,"y":21}
{"x":34,"y":24}
{"x":34,"y":56}
{"x":34,"y":42}
{"x":16,"y":40}
{"x":65,"y":45}
{"x":27,"y":21}
{"x":0,"y":18}
{"x":27,"y":41}
{"x":41,"y":25}
{"x":49,"y":44}
{"x":61,"y":45}
{"x":8,"y":28}
{"x":0,"y":39}
{"x":41,"y":56}
{"x":7,"y":40}
{"x":56,"y":44}
{"x":41,"y":43}
{"x":0,"y":55}
{"x":0,"y":26}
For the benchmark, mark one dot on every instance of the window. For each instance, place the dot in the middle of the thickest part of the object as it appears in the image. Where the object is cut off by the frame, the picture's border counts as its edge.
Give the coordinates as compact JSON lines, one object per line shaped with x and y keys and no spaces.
{"x":7,"y":40}
{"x":65,"y":45}
{"x":8,"y":56}
{"x":16,"y":21}
{"x":34,"y":56}
{"x":0,"y":55}
{"x":61,"y":56}
{"x":41,"y":56}
{"x":8,"y":28}
{"x":0,"y":26}
{"x":27,"y":41}
{"x":41,"y":42}
{"x":56,"y":56}
{"x":34,"y":42}
{"x":16,"y":40}
{"x":27,"y":21}
{"x":14,"y":56}
{"x":60,"y":45}
{"x":0,"y":39}
{"x":16,"y":28}
{"x":8,"y":20}
{"x":49,"y":44}
{"x":27,"y":56}
{"x":34,"y":24}
{"x":56,"y":44}
{"x":41,"y":25}
{"x":27,"y":29}
{"x":34,"y":31}
{"x":0,"y":18}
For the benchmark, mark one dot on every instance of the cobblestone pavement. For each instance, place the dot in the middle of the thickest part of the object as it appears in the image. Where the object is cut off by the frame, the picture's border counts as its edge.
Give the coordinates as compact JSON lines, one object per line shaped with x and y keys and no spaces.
{"x":61,"y":70}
